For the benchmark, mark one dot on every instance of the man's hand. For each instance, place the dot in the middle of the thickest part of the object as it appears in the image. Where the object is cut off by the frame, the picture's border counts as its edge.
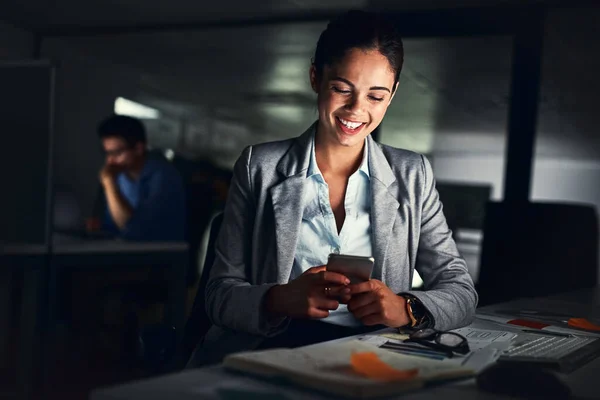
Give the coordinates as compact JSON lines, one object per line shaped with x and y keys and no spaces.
{"x":373,"y":303}
{"x":312,"y":295}
{"x":120,"y":210}
{"x":108,"y":174}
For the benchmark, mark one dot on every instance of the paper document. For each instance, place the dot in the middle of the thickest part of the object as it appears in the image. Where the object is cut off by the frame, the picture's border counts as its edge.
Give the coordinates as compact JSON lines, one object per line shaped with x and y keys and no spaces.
{"x":327,"y":366}
{"x":486,"y":346}
{"x":522,"y":323}
{"x":481,"y":338}
{"x":326,"y":357}
{"x":477,"y":338}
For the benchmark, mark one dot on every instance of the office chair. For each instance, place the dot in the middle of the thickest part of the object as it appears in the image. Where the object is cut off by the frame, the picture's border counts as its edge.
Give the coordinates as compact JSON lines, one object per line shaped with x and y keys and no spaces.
{"x":198,"y":322}
{"x":537,"y":249}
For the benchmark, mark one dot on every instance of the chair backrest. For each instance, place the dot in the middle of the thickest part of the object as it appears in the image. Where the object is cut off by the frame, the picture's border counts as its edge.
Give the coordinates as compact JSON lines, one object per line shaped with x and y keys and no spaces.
{"x":537,"y":249}
{"x":198,"y":322}
{"x":464,"y":203}
{"x":199,"y":211}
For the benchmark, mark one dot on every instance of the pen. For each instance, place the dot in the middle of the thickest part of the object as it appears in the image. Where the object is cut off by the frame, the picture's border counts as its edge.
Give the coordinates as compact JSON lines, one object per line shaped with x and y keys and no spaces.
{"x":413,"y":353}
{"x":548,"y":333}
{"x":414,"y":348}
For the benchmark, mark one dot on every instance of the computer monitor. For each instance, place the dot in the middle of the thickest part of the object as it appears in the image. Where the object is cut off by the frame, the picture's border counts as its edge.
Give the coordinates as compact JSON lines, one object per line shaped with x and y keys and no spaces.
{"x":464,"y":203}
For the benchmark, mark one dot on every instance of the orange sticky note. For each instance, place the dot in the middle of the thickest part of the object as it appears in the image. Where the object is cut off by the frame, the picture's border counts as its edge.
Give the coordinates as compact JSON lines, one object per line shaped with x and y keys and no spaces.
{"x":370,"y":365}
{"x":583,"y":323}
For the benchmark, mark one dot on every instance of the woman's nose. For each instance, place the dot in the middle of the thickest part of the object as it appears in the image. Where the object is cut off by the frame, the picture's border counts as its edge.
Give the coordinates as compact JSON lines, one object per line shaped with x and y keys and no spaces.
{"x":354,"y":104}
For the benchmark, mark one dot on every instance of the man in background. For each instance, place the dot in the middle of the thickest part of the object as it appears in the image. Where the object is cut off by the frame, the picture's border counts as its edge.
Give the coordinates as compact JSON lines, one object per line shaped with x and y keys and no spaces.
{"x":145,"y":198}
{"x":142,"y":199}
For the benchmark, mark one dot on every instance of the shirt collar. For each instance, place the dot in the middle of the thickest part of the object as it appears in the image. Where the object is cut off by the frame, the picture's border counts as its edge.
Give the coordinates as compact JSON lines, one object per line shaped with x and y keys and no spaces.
{"x":313,"y":168}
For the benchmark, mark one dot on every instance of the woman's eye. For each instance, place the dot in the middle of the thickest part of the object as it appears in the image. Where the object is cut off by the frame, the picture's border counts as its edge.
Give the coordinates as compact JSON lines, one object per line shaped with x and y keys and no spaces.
{"x":338,"y":90}
{"x":376,"y":98}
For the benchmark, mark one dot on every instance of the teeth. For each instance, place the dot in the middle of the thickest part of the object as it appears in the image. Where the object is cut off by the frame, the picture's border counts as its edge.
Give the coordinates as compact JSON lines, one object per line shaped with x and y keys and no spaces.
{"x":351,"y":125}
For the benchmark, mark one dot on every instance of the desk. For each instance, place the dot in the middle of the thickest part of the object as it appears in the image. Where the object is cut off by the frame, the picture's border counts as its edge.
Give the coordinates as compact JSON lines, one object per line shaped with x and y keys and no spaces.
{"x":217,"y":383}
{"x":31,"y":261}
{"x":106,"y":254}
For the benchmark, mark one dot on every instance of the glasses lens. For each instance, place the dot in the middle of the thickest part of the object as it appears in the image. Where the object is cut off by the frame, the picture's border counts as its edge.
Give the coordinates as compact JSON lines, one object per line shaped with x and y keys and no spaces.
{"x":450,"y":340}
{"x":424,"y":334}
{"x":116,"y":152}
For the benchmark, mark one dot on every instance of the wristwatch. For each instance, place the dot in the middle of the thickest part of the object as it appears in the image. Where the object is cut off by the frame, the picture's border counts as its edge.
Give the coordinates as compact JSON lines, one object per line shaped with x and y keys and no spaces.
{"x":416,"y":312}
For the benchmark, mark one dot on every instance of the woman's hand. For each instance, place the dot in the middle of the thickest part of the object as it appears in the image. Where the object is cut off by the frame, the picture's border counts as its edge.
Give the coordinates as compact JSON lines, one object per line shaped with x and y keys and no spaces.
{"x":373,"y":303}
{"x":312,"y":295}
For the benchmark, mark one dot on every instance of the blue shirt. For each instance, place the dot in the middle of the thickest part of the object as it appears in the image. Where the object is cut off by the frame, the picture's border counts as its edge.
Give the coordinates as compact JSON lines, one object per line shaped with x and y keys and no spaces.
{"x":158,"y":202}
{"x":318,"y":231}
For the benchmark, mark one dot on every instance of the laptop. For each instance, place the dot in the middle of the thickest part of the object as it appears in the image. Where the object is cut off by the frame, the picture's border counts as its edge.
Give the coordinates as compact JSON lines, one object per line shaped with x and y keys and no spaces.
{"x":563,"y":353}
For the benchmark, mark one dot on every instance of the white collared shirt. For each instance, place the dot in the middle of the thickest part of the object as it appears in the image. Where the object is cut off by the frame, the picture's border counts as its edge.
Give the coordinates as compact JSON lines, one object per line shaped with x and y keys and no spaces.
{"x":318,"y":231}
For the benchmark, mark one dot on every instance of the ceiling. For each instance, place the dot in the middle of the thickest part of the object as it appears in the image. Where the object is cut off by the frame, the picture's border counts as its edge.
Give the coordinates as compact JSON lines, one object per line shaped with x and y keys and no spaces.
{"x":250,"y":80}
{"x":44,"y":14}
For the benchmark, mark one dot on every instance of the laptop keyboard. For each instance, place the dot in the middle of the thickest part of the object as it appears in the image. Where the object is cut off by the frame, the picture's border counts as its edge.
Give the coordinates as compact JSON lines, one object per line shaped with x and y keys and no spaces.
{"x":548,"y":347}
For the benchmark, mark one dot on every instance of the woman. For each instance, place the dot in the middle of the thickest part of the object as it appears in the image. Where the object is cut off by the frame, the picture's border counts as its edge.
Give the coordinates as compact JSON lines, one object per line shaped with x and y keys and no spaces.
{"x":334,"y":189}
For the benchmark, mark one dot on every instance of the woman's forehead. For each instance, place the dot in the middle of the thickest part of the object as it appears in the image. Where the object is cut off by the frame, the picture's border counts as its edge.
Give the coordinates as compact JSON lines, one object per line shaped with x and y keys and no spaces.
{"x":363,"y":67}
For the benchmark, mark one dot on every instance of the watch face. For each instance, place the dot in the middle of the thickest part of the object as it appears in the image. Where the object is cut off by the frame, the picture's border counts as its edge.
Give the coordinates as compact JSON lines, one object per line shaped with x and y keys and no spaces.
{"x":416,"y":309}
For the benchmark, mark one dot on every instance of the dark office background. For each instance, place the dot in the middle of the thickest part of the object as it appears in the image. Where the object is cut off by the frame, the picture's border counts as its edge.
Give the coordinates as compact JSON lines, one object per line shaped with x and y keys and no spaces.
{"x":217,"y":76}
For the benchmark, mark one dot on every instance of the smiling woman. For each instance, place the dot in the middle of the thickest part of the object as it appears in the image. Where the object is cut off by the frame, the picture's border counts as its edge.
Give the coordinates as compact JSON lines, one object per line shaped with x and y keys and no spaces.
{"x":334,"y":190}
{"x":355,"y":73}
{"x":353,"y":96}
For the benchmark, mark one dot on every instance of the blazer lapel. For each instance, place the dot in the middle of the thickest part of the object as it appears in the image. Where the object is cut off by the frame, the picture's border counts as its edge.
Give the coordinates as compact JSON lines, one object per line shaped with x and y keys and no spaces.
{"x":286,"y":198}
{"x":384,"y":205}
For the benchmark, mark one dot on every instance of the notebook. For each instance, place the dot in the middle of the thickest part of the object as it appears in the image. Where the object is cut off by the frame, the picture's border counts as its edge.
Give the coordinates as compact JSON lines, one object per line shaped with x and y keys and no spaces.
{"x":327,"y":367}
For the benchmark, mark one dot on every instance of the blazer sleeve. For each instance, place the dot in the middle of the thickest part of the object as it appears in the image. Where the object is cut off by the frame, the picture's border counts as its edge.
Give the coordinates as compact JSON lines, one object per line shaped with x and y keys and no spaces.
{"x":231,"y":301}
{"x":449,"y":295}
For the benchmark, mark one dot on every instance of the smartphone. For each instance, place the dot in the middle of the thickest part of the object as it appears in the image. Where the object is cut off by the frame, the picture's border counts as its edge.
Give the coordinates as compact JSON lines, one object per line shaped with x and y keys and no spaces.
{"x":356,"y":268}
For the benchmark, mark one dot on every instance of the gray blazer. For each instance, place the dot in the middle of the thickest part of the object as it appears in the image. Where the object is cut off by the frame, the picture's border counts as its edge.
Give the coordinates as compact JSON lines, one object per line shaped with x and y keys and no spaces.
{"x":256,"y":245}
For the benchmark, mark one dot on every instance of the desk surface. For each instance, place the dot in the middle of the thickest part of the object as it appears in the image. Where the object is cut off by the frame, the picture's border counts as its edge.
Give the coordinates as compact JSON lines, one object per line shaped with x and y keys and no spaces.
{"x":17,"y":249}
{"x":114,"y":246}
{"x":217,"y":383}
{"x":65,"y":244}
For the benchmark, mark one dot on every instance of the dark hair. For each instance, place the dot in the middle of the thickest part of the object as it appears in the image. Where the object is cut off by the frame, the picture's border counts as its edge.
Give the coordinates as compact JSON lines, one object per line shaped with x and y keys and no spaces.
{"x":128,"y":128}
{"x":362,"y":30}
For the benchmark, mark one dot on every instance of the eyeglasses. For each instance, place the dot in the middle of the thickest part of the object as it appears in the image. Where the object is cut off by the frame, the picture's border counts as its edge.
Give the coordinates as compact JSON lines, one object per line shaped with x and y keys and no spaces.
{"x":448,"y":342}
{"x":116,"y":152}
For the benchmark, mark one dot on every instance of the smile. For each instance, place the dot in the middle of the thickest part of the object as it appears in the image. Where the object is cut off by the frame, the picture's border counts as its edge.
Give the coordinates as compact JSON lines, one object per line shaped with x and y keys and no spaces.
{"x":350,"y":127}
{"x":350,"y":124}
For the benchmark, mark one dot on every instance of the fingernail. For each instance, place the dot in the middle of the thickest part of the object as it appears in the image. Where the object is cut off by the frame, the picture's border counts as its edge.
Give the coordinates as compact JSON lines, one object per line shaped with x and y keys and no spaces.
{"x":347,"y":290}
{"x":347,"y":281}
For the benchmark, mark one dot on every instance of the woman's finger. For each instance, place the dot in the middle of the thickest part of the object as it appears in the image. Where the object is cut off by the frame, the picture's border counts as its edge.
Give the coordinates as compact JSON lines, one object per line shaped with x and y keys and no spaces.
{"x":325,"y":303}
{"x":368,"y":286}
{"x":361,"y":300}
{"x":316,"y":313}
{"x":345,"y":299}
{"x":329,"y":277}
{"x":315,"y":270}
{"x":335,"y":292}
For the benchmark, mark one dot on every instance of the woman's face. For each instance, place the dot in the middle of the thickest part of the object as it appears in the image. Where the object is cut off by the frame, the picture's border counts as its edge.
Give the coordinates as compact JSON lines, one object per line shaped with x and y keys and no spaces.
{"x":353,"y":96}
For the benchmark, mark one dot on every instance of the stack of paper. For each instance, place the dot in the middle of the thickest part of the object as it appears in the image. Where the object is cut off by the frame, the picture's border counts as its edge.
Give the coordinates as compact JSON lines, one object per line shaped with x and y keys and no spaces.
{"x":327,"y":367}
